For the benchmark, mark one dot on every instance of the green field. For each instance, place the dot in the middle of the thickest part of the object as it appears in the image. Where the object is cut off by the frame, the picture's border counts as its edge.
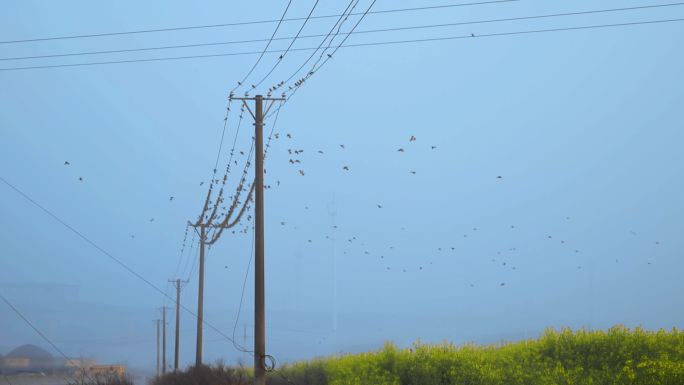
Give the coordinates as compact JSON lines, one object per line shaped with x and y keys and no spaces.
{"x":616,"y":356}
{"x":566,"y":357}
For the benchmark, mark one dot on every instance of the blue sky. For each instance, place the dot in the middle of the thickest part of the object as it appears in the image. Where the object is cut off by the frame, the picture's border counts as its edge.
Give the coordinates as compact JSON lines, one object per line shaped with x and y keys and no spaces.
{"x":584,"y":127}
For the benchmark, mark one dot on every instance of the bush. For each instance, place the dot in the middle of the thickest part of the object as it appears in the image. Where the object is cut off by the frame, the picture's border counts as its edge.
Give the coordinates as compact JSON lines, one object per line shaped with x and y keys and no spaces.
{"x":102,"y":380}
{"x":618,"y":356}
{"x":205,"y":375}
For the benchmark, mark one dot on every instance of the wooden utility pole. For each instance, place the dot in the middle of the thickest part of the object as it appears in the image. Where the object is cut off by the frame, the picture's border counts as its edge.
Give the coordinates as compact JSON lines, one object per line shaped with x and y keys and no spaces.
{"x":259,"y":279}
{"x":176,"y":349}
{"x":163,"y":368}
{"x":157,"y":321}
{"x":200,"y":298}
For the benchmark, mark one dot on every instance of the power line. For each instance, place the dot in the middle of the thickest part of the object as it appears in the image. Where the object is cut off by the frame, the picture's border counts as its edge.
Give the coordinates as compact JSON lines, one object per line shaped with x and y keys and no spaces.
{"x":189,"y":258}
{"x":35,"y":329}
{"x":282,"y":56}
{"x":329,"y":56}
{"x":265,"y":48}
{"x":108,"y":254}
{"x":180,"y":259}
{"x":244,"y":23}
{"x":209,"y":44}
{"x":512,"y":33}
{"x":339,"y":22}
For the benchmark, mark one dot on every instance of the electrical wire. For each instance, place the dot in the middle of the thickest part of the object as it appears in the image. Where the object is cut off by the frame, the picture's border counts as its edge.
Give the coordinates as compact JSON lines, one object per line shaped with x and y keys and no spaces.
{"x":242,"y":294}
{"x":265,"y":49}
{"x":109,"y":255}
{"x":338,"y":22}
{"x":282,"y":56}
{"x":180,"y":259}
{"x":40,"y":333}
{"x":380,"y":43}
{"x":315,"y":69}
{"x":189,"y":258}
{"x":578,"y":13}
{"x":443,"y":6}
{"x":220,"y":197}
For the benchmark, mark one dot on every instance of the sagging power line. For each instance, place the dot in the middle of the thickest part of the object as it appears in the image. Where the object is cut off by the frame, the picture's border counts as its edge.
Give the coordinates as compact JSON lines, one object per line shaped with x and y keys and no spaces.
{"x":154,"y":30}
{"x":344,"y":15}
{"x":357,"y":45}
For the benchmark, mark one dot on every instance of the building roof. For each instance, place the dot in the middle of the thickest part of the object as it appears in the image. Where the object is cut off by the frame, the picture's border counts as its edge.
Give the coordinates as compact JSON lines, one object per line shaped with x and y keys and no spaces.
{"x":30,"y":351}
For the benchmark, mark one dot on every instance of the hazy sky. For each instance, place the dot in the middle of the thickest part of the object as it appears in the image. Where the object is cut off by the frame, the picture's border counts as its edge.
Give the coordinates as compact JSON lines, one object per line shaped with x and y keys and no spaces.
{"x":583,"y":229}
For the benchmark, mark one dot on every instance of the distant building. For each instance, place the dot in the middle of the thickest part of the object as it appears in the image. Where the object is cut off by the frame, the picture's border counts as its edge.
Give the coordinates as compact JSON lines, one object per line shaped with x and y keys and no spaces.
{"x":28,"y":358}
{"x":107,"y":371}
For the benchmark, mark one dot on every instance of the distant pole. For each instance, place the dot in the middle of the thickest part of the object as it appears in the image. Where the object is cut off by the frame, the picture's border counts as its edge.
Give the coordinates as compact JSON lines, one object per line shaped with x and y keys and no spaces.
{"x":157,"y":322}
{"x":200,"y":299}
{"x":176,"y":349}
{"x":259,"y":290}
{"x":163,"y":339}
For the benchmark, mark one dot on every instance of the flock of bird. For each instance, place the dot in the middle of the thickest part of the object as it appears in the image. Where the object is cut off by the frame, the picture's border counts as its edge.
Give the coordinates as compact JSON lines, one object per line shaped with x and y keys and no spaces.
{"x":353,"y":245}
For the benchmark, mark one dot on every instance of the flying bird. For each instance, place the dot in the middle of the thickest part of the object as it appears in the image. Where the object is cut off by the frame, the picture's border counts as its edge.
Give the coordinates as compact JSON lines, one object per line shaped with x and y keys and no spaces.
{"x":433,"y":147}
{"x":289,"y":136}
{"x":379,"y":206}
{"x":301,"y":172}
{"x":66,"y":163}
{"x":499,"y":177}
{"x":320,"y":152}
{"x":151,"y":219}
{"x":170,"y":198}
{"x":80,"y":178}
{"x":346,"y":168}
{"x":413,"y":172}
{"x":412,"y":138}
{"x":401,"y":150}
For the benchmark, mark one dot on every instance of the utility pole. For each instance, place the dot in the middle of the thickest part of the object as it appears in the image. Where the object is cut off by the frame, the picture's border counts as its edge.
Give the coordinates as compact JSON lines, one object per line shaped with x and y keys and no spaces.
{"x":157,"y":321}
{"x":163,"y":310}
{"x":176,"y":349}
{"x":200,"y":298}
{"x":259,"y":290}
